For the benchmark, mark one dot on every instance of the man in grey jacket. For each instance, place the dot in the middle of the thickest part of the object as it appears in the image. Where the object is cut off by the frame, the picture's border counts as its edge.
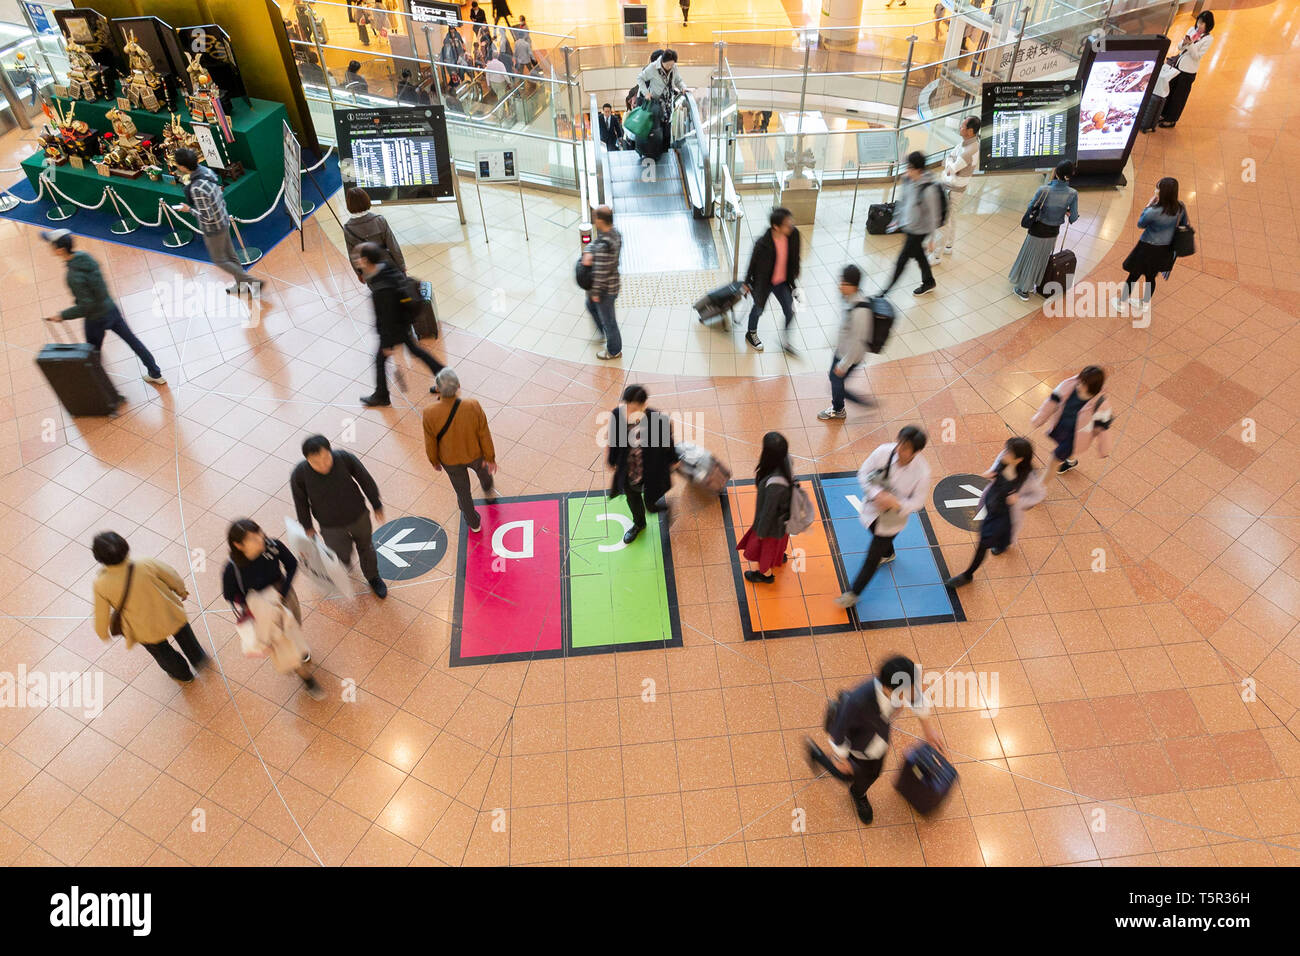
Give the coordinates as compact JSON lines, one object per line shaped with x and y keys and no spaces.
{"x":919,"y":213}
{"x":851,"y":347}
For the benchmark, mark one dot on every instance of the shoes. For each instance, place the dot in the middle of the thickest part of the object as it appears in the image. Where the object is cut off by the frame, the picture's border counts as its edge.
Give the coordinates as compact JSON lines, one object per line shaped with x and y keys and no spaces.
{"x":997,"y":551}
{"x":375,"y":401}
{"x":1066,"y":465}
{"x":1022,"y":296}
{"x":758,"y":577}
{"x":847,"y":599}
{"x":1119,"y":304}
{"x":935,"y":258}
{"x":630,"y":535}
{"x":1165,"y":124}
{"x":754,"y":341}
{"x":604,"y":356}
{"x":863,"y":806}
{"x":925,"y":288}
{"x":184,"y":680}
{"x":831,"y":415}
{"x":787,"y":348}
{"x":477,"y":525}
{"x":379,"y":587}
{"x":958,"y":580}
{"x":313,"y":688}
{"x":947,"y":250}
{"x":232,"y":289}
{"x":491,"y":493}
{"x":155,"y":380}
{"x":399,"y":376}
{"x":888,"y":560}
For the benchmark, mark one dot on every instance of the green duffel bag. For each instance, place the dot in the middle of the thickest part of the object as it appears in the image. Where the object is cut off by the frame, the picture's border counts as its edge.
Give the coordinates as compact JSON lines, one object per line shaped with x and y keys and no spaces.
{"x":638,"y":121}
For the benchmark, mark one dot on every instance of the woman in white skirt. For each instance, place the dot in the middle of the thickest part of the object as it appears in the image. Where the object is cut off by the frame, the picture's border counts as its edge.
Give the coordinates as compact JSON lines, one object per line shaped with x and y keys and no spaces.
{"x":1049,"y":208}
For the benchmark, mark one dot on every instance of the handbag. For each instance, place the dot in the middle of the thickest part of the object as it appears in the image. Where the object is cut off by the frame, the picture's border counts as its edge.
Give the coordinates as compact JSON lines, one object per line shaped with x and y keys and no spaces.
{"x":1184,"y":242}
{"x":115,"y":618}
{"x":1031,"y":214}
{"x":881,"y":477}
{"x":638,"y":121}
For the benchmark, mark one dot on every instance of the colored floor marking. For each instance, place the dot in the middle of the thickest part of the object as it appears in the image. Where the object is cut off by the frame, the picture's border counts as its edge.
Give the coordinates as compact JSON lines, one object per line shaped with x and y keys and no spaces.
{"x":908,"y":591}
{"x":549,"y":576}
{"x":796,"y":603}
{"x":619,"y":595}
{"x":509,"y":585}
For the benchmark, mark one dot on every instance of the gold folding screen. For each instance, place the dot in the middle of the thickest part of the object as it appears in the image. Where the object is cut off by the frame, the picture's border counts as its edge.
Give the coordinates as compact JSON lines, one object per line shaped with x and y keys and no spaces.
{"x":261,"y":46}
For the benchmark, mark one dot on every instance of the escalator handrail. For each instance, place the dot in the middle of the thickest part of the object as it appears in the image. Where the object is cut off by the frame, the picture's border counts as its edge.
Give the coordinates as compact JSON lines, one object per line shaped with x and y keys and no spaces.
{"x":702,"y":141}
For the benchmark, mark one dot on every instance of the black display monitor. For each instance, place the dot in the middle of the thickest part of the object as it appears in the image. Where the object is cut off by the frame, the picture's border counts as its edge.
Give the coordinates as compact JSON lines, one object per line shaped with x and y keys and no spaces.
{"x":1116,"y":77}
{"x":396,"y":154}
{"x":1026,"y":126}
{"x":432,"y":11}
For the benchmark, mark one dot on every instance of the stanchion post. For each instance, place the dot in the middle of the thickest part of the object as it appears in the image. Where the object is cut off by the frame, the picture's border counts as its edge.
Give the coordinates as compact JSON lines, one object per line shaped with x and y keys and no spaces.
{"x":519,"y":184}
{"x":58,"y":212}
{"x":451,"y":159}
{"x":121,"y":227}
{"x":173,"y":240}
{"x":247,"y":254}
{"x":481,"y":214}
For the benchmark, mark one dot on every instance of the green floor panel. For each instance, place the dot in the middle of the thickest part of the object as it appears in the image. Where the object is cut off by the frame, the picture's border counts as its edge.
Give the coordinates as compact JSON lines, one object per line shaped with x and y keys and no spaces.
{"x":615,"y":597}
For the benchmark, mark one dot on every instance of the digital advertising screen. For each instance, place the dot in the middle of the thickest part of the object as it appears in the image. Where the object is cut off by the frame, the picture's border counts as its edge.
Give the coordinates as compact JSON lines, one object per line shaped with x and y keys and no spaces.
{"x":1116,"y":76}
{"x":431,"y":11}
{"x":395,"y":154}
{"x":1026,"y":126}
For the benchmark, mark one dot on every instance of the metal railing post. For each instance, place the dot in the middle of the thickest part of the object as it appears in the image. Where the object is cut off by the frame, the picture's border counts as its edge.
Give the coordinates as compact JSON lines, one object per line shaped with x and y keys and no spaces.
{"x":324,"y":68}
{"x":1173,"y":15}
{"x":803,"y":97}
{"x":581,"y":181}
{"x":1015,"y":52}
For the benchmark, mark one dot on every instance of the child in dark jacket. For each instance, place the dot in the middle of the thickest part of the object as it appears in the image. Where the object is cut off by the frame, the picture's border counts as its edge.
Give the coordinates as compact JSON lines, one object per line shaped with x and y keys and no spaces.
{"x":765,"y":541}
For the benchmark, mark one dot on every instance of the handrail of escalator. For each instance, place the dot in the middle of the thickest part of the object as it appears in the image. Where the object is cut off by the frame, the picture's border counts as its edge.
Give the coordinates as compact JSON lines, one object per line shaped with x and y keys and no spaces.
{"x":696,"y":148}
{"x":599,"y":169}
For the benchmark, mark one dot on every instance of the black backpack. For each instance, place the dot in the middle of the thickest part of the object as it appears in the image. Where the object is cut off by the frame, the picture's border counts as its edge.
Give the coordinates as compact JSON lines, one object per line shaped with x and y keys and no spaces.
{"x":584,"y":275}
{"x":943,"y":202}
{"x":882,"y":322}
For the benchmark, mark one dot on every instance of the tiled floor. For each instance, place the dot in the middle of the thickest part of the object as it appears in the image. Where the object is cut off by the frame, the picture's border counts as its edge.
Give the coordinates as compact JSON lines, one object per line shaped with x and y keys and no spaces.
{"x":1146,"y":715}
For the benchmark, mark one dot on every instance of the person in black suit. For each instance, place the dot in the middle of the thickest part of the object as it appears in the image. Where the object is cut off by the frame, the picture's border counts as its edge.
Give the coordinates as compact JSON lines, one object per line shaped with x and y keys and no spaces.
{"x":611,"y":127}
{"x":642,"y":454}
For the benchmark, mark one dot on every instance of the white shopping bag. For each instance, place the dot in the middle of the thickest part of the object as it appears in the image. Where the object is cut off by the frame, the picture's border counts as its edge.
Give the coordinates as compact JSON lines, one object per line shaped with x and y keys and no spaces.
{"x":248,"y":642}
{"x":317,"y":561}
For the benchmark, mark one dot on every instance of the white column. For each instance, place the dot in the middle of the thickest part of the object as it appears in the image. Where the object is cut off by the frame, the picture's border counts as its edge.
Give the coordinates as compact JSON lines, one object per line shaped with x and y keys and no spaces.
{"x":840,"y":13}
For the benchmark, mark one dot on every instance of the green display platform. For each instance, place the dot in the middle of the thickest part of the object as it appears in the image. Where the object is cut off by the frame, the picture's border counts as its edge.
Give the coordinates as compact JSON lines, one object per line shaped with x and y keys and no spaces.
{"x":258,"y":145}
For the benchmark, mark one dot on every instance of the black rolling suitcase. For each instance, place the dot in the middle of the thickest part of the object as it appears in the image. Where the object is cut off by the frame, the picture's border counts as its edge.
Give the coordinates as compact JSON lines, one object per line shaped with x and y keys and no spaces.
{"x":426,"y":315}
{"x":1059,"y":274}
{"x":77,"y":376}
{"x":926,"y":779}
{"x":720,"y":300}
{"x":881,"y":214}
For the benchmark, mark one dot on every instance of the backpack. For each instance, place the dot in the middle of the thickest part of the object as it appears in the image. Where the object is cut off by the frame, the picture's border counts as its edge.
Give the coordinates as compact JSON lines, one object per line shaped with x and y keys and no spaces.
{"x":584,"y":275}
{"x":943,"y":201}
{"x":412,"y":297}
{"x":802,"y":515}
{"x":882,"y":321}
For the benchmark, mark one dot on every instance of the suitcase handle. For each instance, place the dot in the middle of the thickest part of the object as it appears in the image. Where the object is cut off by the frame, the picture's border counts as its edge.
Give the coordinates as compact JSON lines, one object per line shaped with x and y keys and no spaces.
{"x":59,"y":339}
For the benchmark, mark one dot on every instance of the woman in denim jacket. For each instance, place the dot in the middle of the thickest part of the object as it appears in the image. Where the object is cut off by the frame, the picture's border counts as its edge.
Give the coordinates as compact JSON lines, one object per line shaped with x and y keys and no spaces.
{"x":1154,"y":252}
{"x":1049,"y":207}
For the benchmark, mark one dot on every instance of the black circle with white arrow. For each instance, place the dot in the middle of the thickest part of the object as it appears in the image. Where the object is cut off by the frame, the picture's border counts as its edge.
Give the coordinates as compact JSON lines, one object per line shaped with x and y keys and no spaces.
{"x":957,"y":498}
{"x":409,"y":547}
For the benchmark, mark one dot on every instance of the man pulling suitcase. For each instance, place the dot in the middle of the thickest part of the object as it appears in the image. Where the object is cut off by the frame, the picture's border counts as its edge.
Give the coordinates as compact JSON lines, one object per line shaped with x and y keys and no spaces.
{"x":94,"y":304}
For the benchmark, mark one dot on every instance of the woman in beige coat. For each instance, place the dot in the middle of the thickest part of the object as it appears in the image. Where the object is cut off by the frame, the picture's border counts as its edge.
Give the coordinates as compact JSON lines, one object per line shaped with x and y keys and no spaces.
{"x":149,"y":596}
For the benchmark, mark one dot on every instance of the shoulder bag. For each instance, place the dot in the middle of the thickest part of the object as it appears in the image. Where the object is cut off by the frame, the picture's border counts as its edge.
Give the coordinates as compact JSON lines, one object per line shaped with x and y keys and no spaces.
{"x":115,"y":619}
{"x":1031,"y":214}
{"x":1184,"y":242}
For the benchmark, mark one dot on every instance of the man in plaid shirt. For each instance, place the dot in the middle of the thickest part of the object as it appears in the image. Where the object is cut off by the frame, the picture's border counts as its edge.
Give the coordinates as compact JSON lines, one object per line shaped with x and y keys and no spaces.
{"x":603,"y":255}
{"x":207,"y":201}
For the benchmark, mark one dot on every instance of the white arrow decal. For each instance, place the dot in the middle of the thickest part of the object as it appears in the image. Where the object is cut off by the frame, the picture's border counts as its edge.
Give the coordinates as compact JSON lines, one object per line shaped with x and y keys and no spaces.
{"x":390,"y":548}
{"x":967,"y":502}
{"x":619,"y":519}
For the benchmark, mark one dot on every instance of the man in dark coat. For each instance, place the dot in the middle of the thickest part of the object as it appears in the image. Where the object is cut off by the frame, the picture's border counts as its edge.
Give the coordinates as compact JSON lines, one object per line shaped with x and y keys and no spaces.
{"x":394,"y":317}
{"x":773,"y":271}
{"x":642,"y":454}
{"x":611,"y":127}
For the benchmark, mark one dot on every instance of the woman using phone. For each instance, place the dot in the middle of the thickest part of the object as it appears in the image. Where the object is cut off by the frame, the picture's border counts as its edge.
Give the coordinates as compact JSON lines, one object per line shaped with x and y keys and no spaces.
{"x":1154,"y":252}
{"x":1196,"y":43}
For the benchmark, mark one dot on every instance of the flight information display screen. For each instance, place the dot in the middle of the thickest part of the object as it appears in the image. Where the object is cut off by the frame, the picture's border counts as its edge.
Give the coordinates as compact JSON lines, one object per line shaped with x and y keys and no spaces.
{"x":1029,"y":125}
{"x":395,"y":154}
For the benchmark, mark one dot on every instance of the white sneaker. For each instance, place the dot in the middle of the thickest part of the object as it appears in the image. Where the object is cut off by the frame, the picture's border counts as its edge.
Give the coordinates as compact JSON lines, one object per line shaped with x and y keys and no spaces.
{"x":935,"y":258}
{"x":155,"y":380}
{"x":947,"y":250}
{"x":1120,"y":305}
{"x":847,"y":599}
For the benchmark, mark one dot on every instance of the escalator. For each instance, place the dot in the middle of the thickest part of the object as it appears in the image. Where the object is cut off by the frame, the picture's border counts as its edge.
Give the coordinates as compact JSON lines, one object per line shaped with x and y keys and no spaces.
{"x":662,"y":208}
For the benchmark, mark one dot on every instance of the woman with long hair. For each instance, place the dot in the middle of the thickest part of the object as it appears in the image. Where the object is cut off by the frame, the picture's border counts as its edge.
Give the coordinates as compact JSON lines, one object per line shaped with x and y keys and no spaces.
{"x":1047,"y":210}
{"x":1187,"y":61}
{"x":1010,"y":473}
{"x":258,"y":583}
{"x":1154,"y":252}
{"x":765,"y":541}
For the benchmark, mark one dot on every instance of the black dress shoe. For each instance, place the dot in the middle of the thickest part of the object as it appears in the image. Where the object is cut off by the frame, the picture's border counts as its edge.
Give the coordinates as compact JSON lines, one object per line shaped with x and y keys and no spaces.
{"x":379,"y":587}
{"x":863,"y":806}
{"x":630,"y":535}
{"x":375,"y":401}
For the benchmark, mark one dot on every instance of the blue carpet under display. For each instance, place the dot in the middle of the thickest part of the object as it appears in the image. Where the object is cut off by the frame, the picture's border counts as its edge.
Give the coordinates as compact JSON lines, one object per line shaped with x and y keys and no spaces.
{"x":264,"y":235}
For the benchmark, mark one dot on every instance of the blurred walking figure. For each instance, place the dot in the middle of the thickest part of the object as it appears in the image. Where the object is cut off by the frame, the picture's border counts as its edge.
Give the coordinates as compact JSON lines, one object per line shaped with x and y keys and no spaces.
{"x":1014,"y":489}
{"x":394,"y":318}
{"x":258,"y":583}
{"x":1077,"y":415}
{"x":642,"y":454}
{"x":142,"y":601}
{"x":851,"y":346}
{"x":773,"y":271}
{"x":765,"y":541}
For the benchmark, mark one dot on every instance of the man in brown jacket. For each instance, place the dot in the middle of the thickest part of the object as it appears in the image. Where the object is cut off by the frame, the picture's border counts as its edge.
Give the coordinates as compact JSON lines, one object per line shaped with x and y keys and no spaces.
{"x":149,"y":606}
{"x":456,"y":439}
